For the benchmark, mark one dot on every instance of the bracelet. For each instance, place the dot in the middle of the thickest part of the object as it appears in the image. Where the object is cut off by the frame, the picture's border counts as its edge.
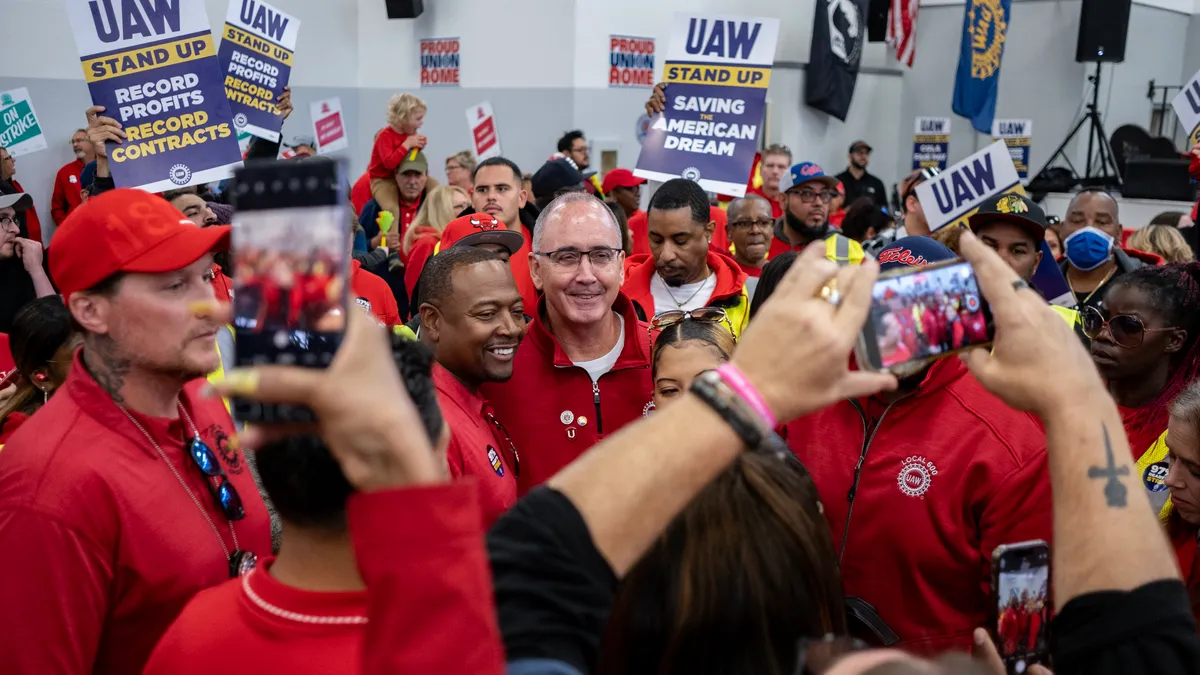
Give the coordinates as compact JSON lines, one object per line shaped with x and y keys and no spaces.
{"x":712,"y":390}
{"x":736,"y":381}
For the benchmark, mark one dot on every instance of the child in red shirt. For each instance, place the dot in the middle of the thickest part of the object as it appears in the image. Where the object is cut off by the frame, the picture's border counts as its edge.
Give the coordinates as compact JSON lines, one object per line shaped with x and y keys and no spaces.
{"x":406,"y":113}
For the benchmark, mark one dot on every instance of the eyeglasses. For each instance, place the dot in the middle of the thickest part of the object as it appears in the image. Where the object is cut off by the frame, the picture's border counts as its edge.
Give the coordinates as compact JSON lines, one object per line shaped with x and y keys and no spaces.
{"x":817,"y":656}
{"x":6,"y":221}
{"x":664,"y":320}
{"x":222,"y":490}
{"x":808,"y":196}
{"x":515,"y":459}
{"x":569,"y":258}
{"x":1126,"y":330}
{"x":760,"y":223}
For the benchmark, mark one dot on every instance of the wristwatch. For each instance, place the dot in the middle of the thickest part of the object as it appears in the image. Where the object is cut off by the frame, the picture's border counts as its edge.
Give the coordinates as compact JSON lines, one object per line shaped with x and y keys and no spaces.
{"x":746,"y":423}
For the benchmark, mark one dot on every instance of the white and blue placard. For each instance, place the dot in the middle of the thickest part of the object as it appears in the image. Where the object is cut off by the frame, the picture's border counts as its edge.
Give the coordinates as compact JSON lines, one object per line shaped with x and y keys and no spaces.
{"x":718,"y":67}
{"x":1018,"y":136}
{"x":258,"y":43}
{"x":152,"y":65}
{"x":959,"y":190}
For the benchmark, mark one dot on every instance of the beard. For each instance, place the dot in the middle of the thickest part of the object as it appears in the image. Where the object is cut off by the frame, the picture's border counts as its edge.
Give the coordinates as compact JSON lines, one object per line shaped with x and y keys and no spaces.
{"x":813,"y":233}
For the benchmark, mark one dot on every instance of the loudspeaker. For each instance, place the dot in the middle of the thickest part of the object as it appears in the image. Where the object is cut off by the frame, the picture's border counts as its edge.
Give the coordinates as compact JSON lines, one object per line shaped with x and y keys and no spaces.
{"x":404,"y":9}
{"x":1103,"y":27}
{"x":877,"y":17}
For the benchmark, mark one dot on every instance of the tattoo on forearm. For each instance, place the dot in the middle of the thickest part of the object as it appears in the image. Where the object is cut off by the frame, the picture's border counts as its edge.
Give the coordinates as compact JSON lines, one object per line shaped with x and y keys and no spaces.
{"x":106,"y":366}
{"x":1115,"y":491}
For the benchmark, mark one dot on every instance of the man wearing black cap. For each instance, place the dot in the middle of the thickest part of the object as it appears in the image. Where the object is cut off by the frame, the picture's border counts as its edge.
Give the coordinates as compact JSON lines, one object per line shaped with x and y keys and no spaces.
{"x":857,"y":181}
{"x":22,"y":276}
{"x":556,"y":177}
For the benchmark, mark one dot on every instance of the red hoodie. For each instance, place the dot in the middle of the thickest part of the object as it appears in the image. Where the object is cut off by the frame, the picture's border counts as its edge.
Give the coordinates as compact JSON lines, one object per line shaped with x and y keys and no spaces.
{"x":639,"y":230}
{"x":551,"y":407}
{"x":729,"y":293}
{"x":948,"y":473}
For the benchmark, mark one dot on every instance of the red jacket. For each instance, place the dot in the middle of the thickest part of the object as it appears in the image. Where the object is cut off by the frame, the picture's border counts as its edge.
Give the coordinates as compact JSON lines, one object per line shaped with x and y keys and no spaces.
{"x":553,"y":410}
{"x":373,"y":294}
{"x":776,"y":204}
{"x":387,"y":153}
{"x":948,"y":474}
{"x":639,"y":270}
{"x":360,"y":193}
{"x":31,"y":217}
{"x":112,"y":547}
{"x":639,"y":230}
{"x":66,"y":193}
{"x":477,"y":447}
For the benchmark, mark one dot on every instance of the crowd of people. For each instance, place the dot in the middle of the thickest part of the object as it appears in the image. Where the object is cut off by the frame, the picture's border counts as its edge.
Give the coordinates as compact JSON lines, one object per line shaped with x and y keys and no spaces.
{"x":572,"y":428}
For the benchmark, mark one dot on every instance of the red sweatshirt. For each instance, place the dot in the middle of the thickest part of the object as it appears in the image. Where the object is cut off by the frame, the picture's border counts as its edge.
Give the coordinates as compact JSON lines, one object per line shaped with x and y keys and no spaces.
{"x":66,"y":194}
{"x":639,"y":229}
{"x":421,"y":554}
{"x":387,"y":153}
{"x":639,"y":270}
{"x":111,"y":547}
{"x":373,"y":294}
{"x":948,"y":474}
{"x":553,"y":410}
{"x":776,"y":204}
{"x":31,"y":217}
{"x":478,"y":448}
{"x":360,"y":193}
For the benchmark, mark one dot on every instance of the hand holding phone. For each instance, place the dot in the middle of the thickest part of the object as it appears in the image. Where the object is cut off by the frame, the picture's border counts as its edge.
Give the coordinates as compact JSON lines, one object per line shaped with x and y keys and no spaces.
{"x":1021,"y":598}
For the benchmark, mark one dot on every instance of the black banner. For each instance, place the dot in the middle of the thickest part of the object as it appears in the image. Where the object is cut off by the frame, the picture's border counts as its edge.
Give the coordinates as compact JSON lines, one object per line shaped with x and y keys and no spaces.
{"x":839,"y":33}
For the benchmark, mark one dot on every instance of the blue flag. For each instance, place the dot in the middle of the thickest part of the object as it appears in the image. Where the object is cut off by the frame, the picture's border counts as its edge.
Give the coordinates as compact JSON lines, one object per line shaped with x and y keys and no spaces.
{"x":985,"y":27}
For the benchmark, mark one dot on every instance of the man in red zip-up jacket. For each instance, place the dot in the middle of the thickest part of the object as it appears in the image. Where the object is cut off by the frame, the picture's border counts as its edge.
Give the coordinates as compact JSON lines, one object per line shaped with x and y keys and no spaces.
{"x":67,"y":193}
{"x":920,"y":486}
{"x":584,"y":371}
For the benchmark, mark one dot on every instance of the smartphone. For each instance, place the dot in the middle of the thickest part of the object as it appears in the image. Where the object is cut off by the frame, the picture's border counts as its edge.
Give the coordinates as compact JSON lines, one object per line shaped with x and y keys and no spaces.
{"x":1021,"y":597}
{"x":291,"y":244}
{"x":922,"y":314}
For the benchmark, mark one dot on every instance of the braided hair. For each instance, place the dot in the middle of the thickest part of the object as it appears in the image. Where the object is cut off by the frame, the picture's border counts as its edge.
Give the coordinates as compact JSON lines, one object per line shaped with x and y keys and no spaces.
{"x":1174,"y":291}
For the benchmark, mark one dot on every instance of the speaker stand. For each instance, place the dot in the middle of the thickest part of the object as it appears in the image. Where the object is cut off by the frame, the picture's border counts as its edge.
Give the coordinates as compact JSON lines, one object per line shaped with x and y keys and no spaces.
{"x":1099,"y":151}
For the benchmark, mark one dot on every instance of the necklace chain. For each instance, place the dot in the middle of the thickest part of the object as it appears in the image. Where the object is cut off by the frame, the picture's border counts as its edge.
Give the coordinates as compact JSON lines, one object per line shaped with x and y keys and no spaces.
{"x":182,"y":484}
{"x":294,"y":616}
{"x":678,"y":304}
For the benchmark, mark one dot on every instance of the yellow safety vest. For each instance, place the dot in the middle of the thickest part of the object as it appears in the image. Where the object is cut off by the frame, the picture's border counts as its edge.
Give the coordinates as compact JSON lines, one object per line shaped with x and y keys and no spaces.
{"x":1069,"y":315}
{"x":219,"y":374}
{"x":1153,"y":479}
{"x":738,"y":313}
{"x":843,"y":250}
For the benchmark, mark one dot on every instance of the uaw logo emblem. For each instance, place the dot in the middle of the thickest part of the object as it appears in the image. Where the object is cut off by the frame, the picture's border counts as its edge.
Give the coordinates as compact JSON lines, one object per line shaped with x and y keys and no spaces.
{"x":494,"y":460}
{"x":1011,"y":204}
{"x":916,"y":475}
{"x":691,"y":173}
{"x":1155,"y":476}
{"x":180,"y":174}
{"x":987,"y":23}
{"x":485,"y":223}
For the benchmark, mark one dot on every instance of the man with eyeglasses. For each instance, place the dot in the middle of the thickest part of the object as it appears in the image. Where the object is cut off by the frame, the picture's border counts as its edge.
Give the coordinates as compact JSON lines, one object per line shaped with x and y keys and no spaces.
{"x":459,"y":167}
{"x":22,"y":276}
{"x":750,"y":228}
{"x":472,"y":317}
{"x":127,"y":494}
{"x":584,"y":372}
{"x":30,"y":225}
{"x":67,"y":193}
{"x":808,"y":193}
{"x":682,"y":272}
{"x":857,"y":181}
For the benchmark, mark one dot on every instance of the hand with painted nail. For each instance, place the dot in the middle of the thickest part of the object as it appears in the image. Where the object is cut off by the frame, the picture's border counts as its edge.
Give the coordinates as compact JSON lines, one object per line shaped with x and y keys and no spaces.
{"x":378,"y":447}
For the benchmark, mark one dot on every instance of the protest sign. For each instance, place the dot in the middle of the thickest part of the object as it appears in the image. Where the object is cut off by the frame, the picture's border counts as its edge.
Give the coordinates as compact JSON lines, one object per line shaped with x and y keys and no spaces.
{"x":1187,"y":108}
{"x":440,"y":62}
{"x":153,"y":67}
{"x":329,"y":126}
{"x":630,"y":61}
{"x":931,"y":143}
{"x":20,"y":132}
{"x":257,"y":45}
{"x":1048,"y":279}
{"x":1017,"y":135}
{"x":958,"y":191}
{"x":482,"y":121}
{"x":717,"y":68}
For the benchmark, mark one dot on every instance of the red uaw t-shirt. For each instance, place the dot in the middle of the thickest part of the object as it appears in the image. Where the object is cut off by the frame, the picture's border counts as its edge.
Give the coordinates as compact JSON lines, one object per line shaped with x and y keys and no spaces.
{"x":477,"y":448}
{"x":103,"y":546}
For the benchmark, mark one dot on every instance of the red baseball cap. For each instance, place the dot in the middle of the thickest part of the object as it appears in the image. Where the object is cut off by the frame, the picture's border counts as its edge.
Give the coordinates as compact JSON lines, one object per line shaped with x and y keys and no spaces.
{"x":480,"y":228}
{"x":127,"y":230}
{"x":620,"y":178}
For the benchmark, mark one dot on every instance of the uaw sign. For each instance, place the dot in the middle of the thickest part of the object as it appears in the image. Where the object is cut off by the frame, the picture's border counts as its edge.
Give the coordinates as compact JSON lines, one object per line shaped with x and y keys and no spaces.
{"x":718,"y":67}
{"x":1187,"y":108}
{"x":931,"y":143}
{"x":1017,"y":135}
{"x":957,"y":192}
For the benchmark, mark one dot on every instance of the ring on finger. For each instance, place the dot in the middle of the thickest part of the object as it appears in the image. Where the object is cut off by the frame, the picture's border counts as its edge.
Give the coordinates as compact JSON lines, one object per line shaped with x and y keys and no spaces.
{"x":1019,"y":284}
{"x":830,"y":293}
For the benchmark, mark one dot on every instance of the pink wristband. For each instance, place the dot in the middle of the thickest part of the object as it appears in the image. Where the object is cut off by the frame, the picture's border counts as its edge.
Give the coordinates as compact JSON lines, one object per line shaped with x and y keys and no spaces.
{"x":736,"y":381}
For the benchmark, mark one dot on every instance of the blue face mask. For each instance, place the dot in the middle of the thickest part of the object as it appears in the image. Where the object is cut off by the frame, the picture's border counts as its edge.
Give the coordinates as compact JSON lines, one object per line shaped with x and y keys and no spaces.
{"x":1088,"y":248}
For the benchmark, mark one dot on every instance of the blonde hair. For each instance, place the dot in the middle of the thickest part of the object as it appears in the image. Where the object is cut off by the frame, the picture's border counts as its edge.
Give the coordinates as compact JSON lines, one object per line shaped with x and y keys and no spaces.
{"x":1162,"y":240}
{"x":436,"y":212}
{"x":465,"y":159}
{"x":401,"y":106}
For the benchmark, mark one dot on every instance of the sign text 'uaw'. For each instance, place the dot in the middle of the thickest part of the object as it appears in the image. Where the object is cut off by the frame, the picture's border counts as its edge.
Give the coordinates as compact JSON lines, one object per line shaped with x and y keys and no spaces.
{"x":959,"y":190}
{"x":257,"y":45}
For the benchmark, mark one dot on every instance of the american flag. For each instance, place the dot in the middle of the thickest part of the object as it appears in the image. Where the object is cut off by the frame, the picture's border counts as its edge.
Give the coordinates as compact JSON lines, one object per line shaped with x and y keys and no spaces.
{"x":902,"y":29}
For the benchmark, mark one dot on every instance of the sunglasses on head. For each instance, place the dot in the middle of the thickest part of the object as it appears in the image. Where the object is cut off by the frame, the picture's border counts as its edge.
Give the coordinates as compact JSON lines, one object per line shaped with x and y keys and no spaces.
{"x":218,"y":484}
{"x":1126,"y":330}
{"x":664,"y":320}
